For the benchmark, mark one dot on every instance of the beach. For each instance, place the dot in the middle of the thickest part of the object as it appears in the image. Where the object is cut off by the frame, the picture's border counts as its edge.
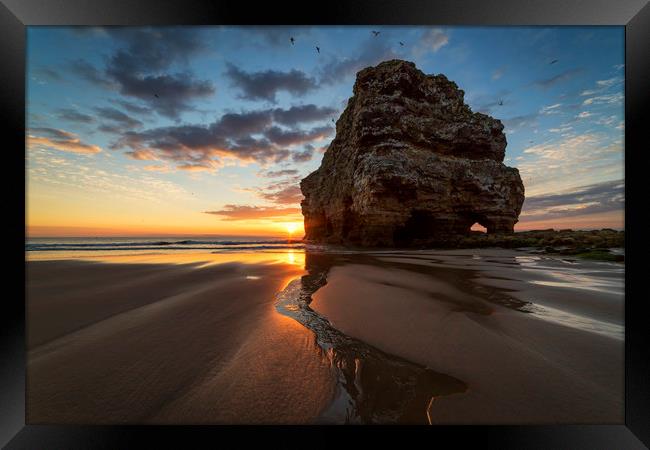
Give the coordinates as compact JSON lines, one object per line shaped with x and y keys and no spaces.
{"x":315,"y":335}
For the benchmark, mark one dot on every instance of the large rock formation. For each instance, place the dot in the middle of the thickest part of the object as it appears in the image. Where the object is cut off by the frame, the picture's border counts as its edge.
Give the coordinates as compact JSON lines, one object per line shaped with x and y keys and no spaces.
{"x":410,"y":164}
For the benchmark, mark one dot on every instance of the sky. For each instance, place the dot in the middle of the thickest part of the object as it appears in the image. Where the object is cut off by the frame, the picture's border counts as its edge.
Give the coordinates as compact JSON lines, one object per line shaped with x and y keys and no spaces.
{"x":208,"y":130}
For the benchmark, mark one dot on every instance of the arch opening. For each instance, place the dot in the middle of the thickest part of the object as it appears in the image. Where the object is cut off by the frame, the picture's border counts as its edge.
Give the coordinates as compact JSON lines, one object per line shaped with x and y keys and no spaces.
{"x":478,"y":228}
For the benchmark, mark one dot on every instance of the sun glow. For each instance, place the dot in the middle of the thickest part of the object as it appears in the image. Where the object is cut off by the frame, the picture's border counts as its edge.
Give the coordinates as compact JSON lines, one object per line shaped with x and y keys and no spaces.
{"x":292,"y":228}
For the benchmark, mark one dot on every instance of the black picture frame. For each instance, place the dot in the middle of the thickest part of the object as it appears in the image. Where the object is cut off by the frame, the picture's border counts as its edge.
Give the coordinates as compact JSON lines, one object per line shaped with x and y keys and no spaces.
{"x":15,"y":15}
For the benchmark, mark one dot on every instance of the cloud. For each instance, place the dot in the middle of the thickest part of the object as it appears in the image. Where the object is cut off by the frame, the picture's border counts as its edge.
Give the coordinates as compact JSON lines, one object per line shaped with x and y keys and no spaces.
{"x":72,"y":115}
{"x":118,"y":117}
{"x":486,"y":103}
{"x":244,"y":212}
{"x":609,"y":82}
{"x":571,"y":161}
{"x":595,"y":198}
{"x":247,"y":136}
{"x":88,"y":180}
{"x":551,"y":109}
{"x":371,"y":52}
{"x":602,"y":85}
{"x":143,"y":154}
{"x":558,"y":79}
{"x":279,"y":36}
{"x":156,"y":168}
{"x":54,"y":133}
{"x":132,"y":107}
{"x":279,"y":173}
{"x":200,"y":167}
{"x":609,"y":99}
{"x":292,"y":137}
{"x":431,"y":41}
{"x":139,"y":67}
{"x":497,"y":73}
{"x":562,"y":129}
{"x":304,"y":155}
{"x":284,"y":191}
{"x":514,"y":124}
{"x":286,"y":195}
{"x":90,"y":73}
{"x":59,"y":140}
{"x":111,"y":128}
{"x":48,"y":73}
{"x":302,"y":113}
{"x":167,"y":94}
{"x":266,"y":84}
{"x":584,"y":115}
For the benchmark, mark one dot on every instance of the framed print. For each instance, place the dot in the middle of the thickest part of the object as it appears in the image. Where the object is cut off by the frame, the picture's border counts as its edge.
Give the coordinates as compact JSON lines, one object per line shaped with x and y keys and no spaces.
{"x":364,"y":222}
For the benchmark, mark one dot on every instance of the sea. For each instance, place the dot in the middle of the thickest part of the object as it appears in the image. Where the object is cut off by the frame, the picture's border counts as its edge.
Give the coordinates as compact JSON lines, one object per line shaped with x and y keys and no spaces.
{"x":38,"y":247}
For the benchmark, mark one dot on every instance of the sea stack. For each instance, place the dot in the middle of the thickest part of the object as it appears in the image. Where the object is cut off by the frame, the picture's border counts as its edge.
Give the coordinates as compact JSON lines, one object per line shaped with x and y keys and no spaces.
{"x":411,"y":164}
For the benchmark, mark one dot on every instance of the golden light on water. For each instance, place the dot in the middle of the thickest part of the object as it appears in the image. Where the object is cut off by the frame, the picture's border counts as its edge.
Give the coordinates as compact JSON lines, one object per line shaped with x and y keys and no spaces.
{"x":294,"y":257}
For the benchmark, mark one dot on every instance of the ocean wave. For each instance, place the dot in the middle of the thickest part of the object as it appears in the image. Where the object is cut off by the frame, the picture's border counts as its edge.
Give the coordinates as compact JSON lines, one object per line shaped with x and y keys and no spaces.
{"x":166,"y":245}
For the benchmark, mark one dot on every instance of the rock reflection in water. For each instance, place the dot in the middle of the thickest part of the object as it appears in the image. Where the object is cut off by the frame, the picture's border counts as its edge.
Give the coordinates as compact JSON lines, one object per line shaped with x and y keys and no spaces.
{"x":374,"y":387}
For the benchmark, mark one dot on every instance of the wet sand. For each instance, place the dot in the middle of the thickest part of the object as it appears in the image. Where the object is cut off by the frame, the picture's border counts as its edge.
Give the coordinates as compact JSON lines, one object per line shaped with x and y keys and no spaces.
{"x":458,"y":337}
{"x":468,"y":314}
{"x":168,"y":343}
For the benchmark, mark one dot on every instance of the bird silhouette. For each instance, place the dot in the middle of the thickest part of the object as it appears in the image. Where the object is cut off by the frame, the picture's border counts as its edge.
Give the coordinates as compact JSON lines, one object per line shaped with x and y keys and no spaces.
{"x":376,"y":33}
{"x":401,"y":43}
{"x":318,"y":49}
{"x":333,"y":121}
{"x":500,"y":102}
{"x":553,"y":62}
{"x":156,"y":95}
{"x":292,"y":40}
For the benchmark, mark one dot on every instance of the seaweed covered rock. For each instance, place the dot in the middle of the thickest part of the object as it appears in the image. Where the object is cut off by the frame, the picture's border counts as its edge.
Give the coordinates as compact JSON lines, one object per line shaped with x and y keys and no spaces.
{"x":410,"y":164}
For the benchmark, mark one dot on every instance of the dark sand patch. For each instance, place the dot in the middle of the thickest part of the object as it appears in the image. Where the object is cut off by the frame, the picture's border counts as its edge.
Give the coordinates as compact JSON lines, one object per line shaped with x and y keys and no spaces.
{"x":168,"y":344}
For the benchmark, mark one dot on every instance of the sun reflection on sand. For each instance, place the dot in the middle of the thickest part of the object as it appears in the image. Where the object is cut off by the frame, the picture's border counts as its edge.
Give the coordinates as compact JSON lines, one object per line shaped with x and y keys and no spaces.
{"x":293,"y":257}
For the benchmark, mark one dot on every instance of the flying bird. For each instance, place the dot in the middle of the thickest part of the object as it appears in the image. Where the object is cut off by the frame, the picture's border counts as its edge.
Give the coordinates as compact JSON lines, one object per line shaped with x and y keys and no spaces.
{"x":333,"y":121}
{"x":553,"y":62}
{"x":500,"y":102}
{"x":318,"y":49}
{"x":156,"y":95}
{"x":376,"y":33}
{"x":401,"y":43}
{"x":292,"y":40}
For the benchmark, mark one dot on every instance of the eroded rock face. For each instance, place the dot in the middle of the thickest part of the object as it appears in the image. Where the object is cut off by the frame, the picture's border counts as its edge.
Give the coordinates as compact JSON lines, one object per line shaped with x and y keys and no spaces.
{"x":410,"y":164}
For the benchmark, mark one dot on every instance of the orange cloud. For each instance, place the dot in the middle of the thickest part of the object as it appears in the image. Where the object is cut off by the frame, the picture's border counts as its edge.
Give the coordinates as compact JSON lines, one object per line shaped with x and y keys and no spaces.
{"x":243,"y":212}
{"x":156,"y":168}
{"x":63,"y":141}
{"x":143,"y":154}
{"x":612,"y":219}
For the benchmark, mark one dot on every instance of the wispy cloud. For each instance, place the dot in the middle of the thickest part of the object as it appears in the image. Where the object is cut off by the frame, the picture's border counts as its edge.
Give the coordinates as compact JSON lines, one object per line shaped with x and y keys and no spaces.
{"x":245,"y":212}
{"x":118,"y":117}
{"x":59,"y":140}
{"x":591,"y":199}
{"x":551,"y":109}
{"x":431,"y":40}
{"x":609,"y":99}
{"x":562,"y":77}
{"x":371,"y":52}
{"x":72,"y":115}
{"x":570,"y":162}
{"x":497,"y":73}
